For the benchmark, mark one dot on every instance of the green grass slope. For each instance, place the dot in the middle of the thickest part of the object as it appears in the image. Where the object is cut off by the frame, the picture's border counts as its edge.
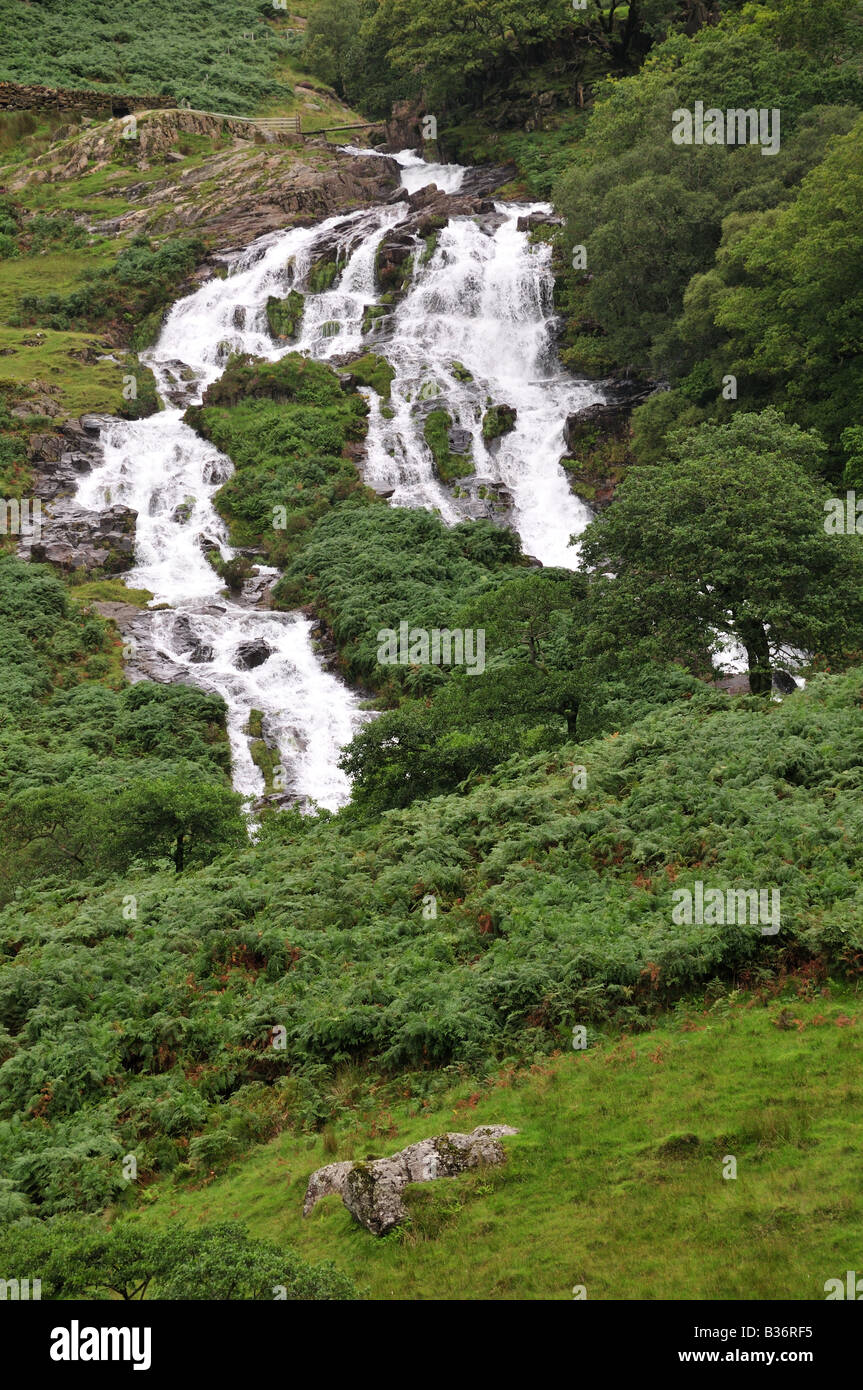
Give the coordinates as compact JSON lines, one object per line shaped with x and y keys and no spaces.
{"x":616,"y":1179}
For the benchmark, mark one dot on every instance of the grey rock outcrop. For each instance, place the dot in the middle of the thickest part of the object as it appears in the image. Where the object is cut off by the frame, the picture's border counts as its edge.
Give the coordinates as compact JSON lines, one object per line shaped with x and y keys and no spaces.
{"x":76,"y":539}
{"x":251,"y":654}
{"x":372,"y":1192}
{"x":59,"y":460}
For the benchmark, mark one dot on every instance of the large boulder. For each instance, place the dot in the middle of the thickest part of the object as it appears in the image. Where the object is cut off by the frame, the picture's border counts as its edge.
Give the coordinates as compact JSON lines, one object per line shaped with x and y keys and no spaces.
{"x":96,"y":542}
{"x":251,"y":654}
{"x":59,"y":460}
{"x":372,"y":1192}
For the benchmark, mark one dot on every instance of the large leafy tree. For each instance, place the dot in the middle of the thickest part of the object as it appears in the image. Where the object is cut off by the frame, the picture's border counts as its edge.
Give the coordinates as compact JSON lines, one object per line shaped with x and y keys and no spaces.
{"x":80,"y":1258}
{"x":448,"y":46}
{"x":725,"y":539}
{"x":181,"y":814}
{"x":650,"y":212}
{"x":793,"y":302}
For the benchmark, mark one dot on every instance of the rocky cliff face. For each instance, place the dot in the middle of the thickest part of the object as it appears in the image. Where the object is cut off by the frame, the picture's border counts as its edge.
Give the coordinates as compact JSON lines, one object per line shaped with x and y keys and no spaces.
{"x":599,"y":444}
{"x":252,"y":182}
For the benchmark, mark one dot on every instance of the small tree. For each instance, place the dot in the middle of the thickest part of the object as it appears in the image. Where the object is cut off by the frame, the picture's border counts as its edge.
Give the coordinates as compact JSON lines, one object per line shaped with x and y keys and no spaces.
{"x":78,"y":1257}
{"x":725,"y":538}
{"x":188,"y":817}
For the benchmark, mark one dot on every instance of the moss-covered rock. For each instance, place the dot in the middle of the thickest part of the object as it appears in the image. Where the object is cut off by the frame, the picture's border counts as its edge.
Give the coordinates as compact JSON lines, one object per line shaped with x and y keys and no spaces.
{"x":449,"y":464}
{"x":373,"y":370}
{"x":394,"y":263}
{"x":233,"y":572}
{"x":498,"y":420}
{"x":371,"y":314}
{"x":322,"y":276}
{"x":284,"y":316}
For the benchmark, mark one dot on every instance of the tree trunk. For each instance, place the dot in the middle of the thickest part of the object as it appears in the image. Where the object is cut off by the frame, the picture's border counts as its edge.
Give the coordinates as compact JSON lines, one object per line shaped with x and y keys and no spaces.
{"x":178,"y":853}
{"x":754,"y":639}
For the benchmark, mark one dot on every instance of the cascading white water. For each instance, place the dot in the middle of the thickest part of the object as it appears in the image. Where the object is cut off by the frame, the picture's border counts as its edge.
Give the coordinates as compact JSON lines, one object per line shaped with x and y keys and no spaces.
{"x":160,"y":465}
{"x":483,"y":301}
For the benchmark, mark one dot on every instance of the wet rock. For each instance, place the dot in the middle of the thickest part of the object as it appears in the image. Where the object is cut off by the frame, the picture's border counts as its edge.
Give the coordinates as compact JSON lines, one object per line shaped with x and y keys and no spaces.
{"x":183,"y":635}
{"x":372,"y":1192}
{"x":75,"y":539}
{"x":59,"y":460}
{"x":430,"y":193}
{"x":284,"y":316}
{"x":783,"y":682}
{"x":498,"y":420}
{"x":392,"y":261}
{"x":178,"y":383}
{"x":491,"y":222}
{"x":403,"y":127}
{"x":144,"y":660}
{"x":251,"y":654}
{"x":605,"y":417}
{"x":538,"y":219}
{"x":186,"y":640}
{"x":484,"y":179}
{"x":480,"y":498}
{"x":598,"y":450}
{"x":459,"y":440}
{"x":235,"y":194}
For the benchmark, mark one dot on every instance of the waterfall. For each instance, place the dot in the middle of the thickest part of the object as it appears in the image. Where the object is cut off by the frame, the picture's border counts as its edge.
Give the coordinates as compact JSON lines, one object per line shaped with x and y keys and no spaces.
{"x":474,"y":328}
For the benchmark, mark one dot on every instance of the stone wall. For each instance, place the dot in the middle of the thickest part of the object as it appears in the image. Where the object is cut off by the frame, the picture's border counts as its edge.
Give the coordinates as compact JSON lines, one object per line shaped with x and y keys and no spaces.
{"x":17,"y":97}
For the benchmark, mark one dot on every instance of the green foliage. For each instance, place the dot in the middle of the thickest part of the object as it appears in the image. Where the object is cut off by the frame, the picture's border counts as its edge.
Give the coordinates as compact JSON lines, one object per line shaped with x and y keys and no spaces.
{"x":768,"y":1072}
{"x":370,"y":568}
{"x":725,"y":537}
{"x":286,"y":426}
{"x":94,"y":777}
{"x":790,"y":328}
{"x":188,"y":819}
{"x":373,"y":370}
{"x":448,"y":465}
{"x":498,"y":420}
{"x":26,"y":234}
{"x":284,"y":315}
{"x":130,"y":1261}
{"x":526,"y":699}
{"x":228,"y":63}
{"x":650,"y":212}
{"x":142,"y":282}
{"x":149,"y":1034}
{"x":378,"y":53}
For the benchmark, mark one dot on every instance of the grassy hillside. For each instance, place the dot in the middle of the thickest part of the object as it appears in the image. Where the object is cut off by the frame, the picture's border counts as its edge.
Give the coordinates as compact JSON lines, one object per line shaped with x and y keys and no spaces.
{"x":511,"y":864}
{"x":615,"y":1181}
{"x":243,"y":59}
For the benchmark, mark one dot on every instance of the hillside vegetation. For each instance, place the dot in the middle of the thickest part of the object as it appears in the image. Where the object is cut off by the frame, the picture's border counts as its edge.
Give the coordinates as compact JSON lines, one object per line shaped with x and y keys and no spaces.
{"x":511,"y":864}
